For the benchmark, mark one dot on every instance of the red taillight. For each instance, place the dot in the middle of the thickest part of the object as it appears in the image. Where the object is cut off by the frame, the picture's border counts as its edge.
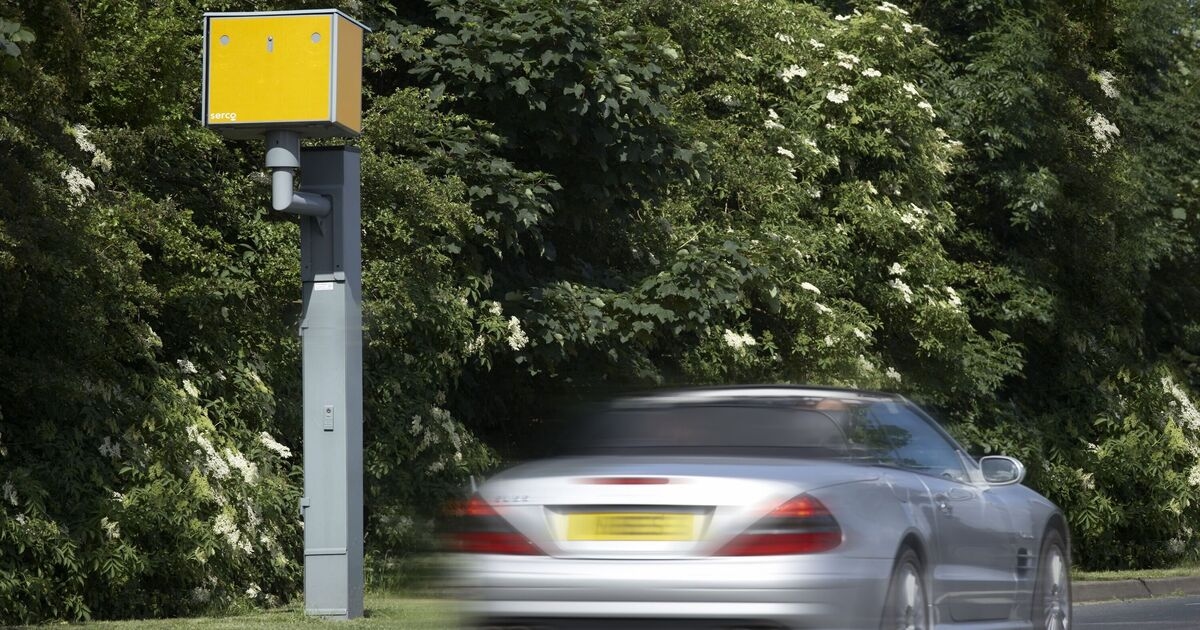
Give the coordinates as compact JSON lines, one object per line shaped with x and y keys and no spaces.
{"x":476,"y":527}
{"x":801,"y":525}
{"x":625,"y":481}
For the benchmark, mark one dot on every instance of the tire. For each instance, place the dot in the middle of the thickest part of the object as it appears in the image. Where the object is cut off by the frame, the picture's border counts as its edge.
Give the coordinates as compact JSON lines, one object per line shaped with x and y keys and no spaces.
{"x":907,"y":604}
{"x":1052,"y":595}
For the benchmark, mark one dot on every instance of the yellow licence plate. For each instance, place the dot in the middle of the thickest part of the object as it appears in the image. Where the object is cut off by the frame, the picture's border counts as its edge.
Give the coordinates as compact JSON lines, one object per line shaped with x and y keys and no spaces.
{"x":631,"y":526}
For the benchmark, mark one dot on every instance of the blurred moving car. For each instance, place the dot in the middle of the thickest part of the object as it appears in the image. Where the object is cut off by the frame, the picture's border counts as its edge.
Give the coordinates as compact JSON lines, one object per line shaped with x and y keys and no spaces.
{"x":763,"y":507}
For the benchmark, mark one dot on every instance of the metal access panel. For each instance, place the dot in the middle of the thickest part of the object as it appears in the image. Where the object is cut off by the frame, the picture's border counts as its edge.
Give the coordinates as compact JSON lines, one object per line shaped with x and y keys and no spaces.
{"x":294,"y":70}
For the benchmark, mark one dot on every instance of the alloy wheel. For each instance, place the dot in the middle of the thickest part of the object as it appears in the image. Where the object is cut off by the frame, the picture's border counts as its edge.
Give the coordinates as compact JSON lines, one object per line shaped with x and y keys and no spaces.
{"x":1057,"y":591}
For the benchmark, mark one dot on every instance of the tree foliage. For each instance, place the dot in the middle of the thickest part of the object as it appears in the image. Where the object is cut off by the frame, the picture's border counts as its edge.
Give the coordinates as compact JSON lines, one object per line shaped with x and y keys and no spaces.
{"x":991,"y":207}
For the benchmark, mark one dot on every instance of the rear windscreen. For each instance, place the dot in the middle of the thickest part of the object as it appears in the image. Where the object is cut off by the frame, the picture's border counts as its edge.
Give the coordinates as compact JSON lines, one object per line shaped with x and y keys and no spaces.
{"x":712,"y":429}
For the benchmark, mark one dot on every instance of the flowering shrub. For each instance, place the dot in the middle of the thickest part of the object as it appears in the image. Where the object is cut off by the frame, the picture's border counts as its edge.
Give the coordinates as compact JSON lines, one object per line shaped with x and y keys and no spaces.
{"x":986,"y":206}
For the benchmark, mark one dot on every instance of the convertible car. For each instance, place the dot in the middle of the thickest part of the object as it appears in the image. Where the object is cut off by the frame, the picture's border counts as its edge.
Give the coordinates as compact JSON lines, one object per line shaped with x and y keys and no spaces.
{"x":762,"y":507}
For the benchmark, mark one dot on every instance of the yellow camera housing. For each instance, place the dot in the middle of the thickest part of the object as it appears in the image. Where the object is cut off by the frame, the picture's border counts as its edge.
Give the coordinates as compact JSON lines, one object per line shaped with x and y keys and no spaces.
{"x":294,"y":70}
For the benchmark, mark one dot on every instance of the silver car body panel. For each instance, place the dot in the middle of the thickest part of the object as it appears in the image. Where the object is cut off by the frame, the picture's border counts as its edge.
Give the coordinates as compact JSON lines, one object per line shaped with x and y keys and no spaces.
{"x":978,"y":542}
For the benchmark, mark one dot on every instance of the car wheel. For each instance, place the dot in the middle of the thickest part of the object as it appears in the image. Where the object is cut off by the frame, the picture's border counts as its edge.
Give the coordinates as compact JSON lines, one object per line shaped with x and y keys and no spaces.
{"x":1052,"y":597}
{"x":907,"y":606}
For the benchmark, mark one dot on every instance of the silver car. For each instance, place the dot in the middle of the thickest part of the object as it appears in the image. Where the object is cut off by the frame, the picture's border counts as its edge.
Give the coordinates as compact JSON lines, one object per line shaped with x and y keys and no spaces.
{"x":763,"y":507}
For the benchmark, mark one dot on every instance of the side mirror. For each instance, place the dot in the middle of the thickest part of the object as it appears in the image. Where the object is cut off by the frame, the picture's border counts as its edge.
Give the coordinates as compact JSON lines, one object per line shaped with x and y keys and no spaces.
{"x":1002,"y":471}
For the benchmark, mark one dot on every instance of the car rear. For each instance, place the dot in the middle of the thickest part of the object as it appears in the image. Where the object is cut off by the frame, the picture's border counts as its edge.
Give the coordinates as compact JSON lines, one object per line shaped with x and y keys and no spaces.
{"x":674,"y":520}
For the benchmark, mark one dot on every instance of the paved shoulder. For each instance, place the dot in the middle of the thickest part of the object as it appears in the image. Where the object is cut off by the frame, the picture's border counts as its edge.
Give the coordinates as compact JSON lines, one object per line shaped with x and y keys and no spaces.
{"x":1166,"y":613}
{"x":1135,"y":589}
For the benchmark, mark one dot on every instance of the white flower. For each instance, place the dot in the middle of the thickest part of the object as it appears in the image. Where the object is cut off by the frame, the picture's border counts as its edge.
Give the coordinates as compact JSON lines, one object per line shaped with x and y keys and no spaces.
{"x":815,"y":44}
{"x":1194,"y":476}
{"x":908,"y":28}
{"x":728,"y":100}
{"x":199,"y":595}
{"x":837,"y":96}
{"x":10,"y":492}
{"x":812,"y":144}
{"x":271,"y":444}
{"x":911,"y":89}
{"x":815,"y":193}
{"x":253,"y":591}
{"x":829,"y":340}
{"x":252,"y":515}
{"x":821,"y":308}
{"x":903,"y":288}
{"x":1106,"y":80}
{"x":808,"y":286}
{"x":787,"y":39}
{"x":955,"y":301}
{"x":102,"y":162}
{"x":927,"y":107}
{"x":743,"y":56}
{"x":860,"y":334}
{"x":771,"y":124}
{"x":897,"y":269}
{"x":841,"y":18}
{"x":248,"y":468}
{"x":892,"y":374}
{"x":112,"y":529}
{"x":784,"y":152}
{"x":871,"y":72}
{"x":78,"y":184}
{"x":865,"y":364}
{"x":791,"y":72}
{"x":847,"y":60}
{"x":190,"y":389}
{"x":771,"y":114}
{"x":186,"y":366}
{"x":213,"y":462}
{"x":739,"y":341}
{"x":225,"y":527}
{"x":910,"y":219}
{"x":1191,"y":415}
{"x":494,"y":307}
{"x":99,"y":159}
{"x":108,"y":448}
{"x":81,"y":134}
{"x":1103,"y":131}
{"x":516,"y":336}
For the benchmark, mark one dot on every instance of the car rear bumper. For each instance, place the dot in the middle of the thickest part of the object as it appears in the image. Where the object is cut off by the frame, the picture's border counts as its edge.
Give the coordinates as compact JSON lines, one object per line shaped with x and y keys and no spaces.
{"x":827,"y":592}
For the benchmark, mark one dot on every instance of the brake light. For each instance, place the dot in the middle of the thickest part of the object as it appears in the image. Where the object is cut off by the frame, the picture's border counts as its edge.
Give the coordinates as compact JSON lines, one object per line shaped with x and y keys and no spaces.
{"x":801,"y":525}
{"x":476,"y":527}
{"x":625,"y":481}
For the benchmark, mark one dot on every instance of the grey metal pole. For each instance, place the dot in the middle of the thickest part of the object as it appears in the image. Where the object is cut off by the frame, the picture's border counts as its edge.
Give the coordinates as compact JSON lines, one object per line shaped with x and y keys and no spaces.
{"x":331,"y":339}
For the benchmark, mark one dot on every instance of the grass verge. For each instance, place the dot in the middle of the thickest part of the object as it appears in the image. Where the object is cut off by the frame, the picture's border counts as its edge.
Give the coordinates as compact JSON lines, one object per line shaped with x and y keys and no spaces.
{"x":384,"y":610}
{"x":1186,"y":569}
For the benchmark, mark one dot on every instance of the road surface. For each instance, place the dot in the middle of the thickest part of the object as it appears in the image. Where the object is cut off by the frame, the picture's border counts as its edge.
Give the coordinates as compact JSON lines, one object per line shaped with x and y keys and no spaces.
{"x":1167,"y":613}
